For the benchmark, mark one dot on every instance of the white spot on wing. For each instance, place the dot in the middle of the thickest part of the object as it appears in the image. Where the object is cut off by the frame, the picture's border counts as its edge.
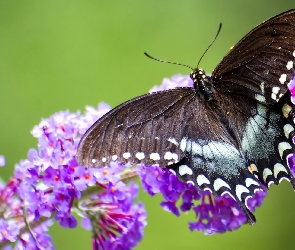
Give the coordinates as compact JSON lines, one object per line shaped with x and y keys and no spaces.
{"x":288,"y":128}
{"x":196,"y":149}
{"x":175,"y":157}
{"x":274,"y":96}
{"x":103,"y":159}
{"x":202,"y":179}
{"x":184,"y":169}
{"x":289,"y":65}
{"x":250,"y":181}
{"x":219,"y":183}
{"x":155,"y":156}
{"x":294,"y":53}
{"x":126,"y":155}
{"x":140,"y":155}
{"x":183,"y":143}
{"x":171,"y":156}
{"x":283,"y":78}
{"x":114,"y":157}
{"x":241,"y":189}
{"x":262,"y":87}
{"x":259,"y":98}
{"x":168,"y":156}
{"x":275,"y":90}
{"x":93,"y":160}
{"x":282,"y":147}
{"x":279,"y":168}
{"x":266,"y":173}
{"x":173,"y":141}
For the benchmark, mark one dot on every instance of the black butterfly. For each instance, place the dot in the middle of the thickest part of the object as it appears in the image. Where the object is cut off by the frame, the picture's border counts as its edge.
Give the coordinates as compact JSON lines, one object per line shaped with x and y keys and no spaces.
{"x":227,"y":134}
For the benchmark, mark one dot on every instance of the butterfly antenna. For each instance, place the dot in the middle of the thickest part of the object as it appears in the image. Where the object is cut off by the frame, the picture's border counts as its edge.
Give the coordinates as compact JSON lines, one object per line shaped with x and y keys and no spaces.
{"x":220,"y":25}
{"x":159,"y":60}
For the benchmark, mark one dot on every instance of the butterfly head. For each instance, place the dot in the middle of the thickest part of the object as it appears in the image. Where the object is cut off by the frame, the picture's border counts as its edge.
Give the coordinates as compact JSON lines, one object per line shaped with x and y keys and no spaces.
{"x":202,"y":83}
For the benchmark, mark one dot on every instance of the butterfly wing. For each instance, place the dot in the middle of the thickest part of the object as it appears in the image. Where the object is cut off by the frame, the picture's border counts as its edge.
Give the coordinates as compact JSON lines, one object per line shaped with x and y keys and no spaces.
{"x":150,"y":129}
{"x":253,"y":82}
{"x":261,"y":65}
{"x":263,"y":146}
{"x":254,"y":79}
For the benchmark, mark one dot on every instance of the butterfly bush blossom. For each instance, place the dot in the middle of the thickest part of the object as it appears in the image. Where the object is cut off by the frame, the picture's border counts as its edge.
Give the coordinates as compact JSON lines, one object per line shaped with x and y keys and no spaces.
{"x":291,"y":87}
{"x":50,"y":186}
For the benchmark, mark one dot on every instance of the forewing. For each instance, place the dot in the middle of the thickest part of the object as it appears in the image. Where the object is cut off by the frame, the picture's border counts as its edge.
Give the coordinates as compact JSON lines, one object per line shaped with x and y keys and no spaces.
{"x":261,"y":65}
{"x":150,"y":129}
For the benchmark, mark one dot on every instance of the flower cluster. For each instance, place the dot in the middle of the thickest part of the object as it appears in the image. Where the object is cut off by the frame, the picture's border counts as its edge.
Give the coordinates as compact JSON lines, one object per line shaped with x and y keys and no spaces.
{"x":291,"y":87}
{"x":50,"y":185}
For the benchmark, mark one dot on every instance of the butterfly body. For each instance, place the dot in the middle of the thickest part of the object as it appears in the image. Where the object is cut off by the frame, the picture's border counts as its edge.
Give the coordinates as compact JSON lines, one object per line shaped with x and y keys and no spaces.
{"x":229,"y":133}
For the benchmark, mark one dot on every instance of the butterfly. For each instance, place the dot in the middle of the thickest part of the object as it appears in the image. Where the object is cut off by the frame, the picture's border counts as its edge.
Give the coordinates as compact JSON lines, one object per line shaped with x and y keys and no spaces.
{"x":230,"y":133}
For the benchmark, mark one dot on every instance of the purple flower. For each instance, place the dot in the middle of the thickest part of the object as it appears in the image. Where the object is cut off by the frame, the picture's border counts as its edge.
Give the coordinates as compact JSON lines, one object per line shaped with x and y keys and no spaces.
{"x":189,"y":196}
{"x":8,"y":231}
{"x":291,"y":87}
{"x":84,"y":178}
{"x":174,"y":82}
{"x":66,"y":220}
{"x":150,"y":178}
{"x":41,"y":241}
{"x":2,"y":161}
{"x":291,"y":162}
{"x":116,"y":220}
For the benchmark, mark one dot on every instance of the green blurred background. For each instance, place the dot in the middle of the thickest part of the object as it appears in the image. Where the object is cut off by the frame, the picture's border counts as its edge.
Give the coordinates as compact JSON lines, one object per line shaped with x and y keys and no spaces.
{"x":58,"y":55}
